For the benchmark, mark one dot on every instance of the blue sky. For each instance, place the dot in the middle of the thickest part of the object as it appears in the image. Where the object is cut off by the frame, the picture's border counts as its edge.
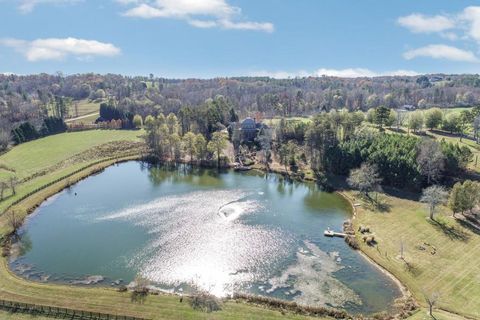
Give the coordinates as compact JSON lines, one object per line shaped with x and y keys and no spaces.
{"x":210,"y":38}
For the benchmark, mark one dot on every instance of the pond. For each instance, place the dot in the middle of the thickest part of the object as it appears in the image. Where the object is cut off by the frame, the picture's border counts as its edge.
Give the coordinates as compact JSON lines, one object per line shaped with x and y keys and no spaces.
{"x":185,"y":228}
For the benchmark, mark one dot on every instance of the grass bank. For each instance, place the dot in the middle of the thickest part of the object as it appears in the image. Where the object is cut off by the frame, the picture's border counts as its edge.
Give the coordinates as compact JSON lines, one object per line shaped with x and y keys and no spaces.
{"x":439,"y":257}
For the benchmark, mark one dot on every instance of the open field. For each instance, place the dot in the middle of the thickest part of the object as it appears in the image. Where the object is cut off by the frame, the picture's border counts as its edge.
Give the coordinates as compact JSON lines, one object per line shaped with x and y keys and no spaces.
{"x":276,"y":121}
{"x":442,"y":256}
{"x":447,"y":111}
{"x":84,"y":107}
{"x":86,"y":119}
{"x":14,"y":316}
{"x":38,"y":162}
{"x":28,"y":158}
{"x":422,"y":314}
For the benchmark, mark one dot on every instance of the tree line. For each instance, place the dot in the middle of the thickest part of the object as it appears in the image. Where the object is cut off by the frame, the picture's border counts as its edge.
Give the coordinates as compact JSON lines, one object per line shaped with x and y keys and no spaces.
{"x":462,"y":123}
{"x":26,"y":98}
{"x":168,"y":143}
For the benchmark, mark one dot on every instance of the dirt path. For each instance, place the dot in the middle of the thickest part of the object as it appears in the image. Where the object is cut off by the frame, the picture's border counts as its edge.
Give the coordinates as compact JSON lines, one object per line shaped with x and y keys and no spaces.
{"x":82,"y":117}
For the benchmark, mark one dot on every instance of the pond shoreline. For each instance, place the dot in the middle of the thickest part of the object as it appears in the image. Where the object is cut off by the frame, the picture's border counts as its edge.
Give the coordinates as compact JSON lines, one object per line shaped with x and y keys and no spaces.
{"x":55,"y":189}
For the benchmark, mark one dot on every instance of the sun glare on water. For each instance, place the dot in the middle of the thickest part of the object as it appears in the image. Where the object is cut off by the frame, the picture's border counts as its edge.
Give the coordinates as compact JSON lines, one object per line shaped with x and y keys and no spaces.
{"x":198,"y":240}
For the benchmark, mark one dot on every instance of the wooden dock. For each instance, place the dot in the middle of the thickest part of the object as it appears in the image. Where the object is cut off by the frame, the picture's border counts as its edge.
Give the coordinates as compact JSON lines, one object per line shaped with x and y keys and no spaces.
{"x":330,"y":233}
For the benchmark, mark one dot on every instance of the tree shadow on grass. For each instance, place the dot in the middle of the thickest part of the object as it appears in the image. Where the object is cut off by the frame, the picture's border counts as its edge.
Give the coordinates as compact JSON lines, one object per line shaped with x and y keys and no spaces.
{"x":451,"y":231}
{"x":412,"y":268}
{"x":468,"y":226}
{"x":383,"y":206}
{"x":375,"y":205}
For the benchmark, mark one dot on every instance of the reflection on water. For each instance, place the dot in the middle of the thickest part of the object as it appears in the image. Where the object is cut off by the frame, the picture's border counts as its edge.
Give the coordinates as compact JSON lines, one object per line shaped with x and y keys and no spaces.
{"x":220,"y":232}
{"x":192,"y":243}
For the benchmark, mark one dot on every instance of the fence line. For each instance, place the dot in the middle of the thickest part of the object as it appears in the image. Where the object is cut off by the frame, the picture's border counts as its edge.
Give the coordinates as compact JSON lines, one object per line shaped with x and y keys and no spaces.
{"x":56,"y":312}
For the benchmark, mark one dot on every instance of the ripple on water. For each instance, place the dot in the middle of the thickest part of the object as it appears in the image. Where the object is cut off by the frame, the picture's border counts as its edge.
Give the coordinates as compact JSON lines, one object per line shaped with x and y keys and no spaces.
{"x":197,"y":239}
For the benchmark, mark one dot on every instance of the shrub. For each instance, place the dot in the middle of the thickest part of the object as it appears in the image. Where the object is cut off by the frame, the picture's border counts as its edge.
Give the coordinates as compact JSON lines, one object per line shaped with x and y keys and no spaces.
{"x":293,"y":306}
{"x":24,"y":132}
{"x":352,"y":242}
{"x":53,"y":125}
{"x":370,"y":240}
{"x":204,"y":302}
{"x":364,"y":229}
{"x":137,"y":121}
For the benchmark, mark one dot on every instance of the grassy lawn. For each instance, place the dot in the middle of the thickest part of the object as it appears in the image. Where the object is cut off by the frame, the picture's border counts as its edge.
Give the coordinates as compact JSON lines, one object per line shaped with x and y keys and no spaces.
{"x":443,"y":256}
{"x":15,"y":316}
{"x":276,"y":121}
{"x":88,"y":119}
{"x":438,"y":314}
{"x":84,"y":107}
{"x":36,"y":155}
{"x":44,"y":160}
{"x":447,"y":111}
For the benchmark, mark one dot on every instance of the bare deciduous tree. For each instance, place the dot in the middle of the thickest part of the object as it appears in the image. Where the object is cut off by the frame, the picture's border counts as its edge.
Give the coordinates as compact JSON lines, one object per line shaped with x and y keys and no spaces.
{"x":432,"y":300}
{"x":13,"y":181}
{"x":365,"y":179}
{"x":14,"y":222}
{"x":3,"y":187}
{"x":434,"y":196}
{"x":430,"y":160}
{"x":4,"y":139}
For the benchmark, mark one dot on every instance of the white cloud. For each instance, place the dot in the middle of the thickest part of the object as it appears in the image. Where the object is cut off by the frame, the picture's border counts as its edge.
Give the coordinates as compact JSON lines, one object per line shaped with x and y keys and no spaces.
{"x":472,"y":16}
{"x":452,"y":36}
{"x":341,"y":73}
{"x":419,"y":23}
{"x":463,"y":27}
{"x":57,"y":49}
{"x":145,"y":11}
{"x":203,"y":23}
{"x":466,"y":22}
{"x":26,"y":6}
{"x":198,"y":13}
{"x":247,"y":25}
{"x":441,"y":51}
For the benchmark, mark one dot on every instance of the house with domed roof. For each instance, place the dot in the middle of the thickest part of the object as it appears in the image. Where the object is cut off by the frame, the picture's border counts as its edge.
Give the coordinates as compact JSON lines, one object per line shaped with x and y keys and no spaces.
{"x":249,"y":129}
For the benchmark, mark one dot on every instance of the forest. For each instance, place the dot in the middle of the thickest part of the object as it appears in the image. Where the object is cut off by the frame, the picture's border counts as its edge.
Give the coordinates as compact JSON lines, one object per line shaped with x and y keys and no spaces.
{"x":33,"y":97}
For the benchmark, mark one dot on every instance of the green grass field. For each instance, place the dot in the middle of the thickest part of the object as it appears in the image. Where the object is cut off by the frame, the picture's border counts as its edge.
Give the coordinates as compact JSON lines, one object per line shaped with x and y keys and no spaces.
{"x":36,"y":155}
{"x":443,"y":256}
{"x":276,"y":121}
{"x":41,"y":161}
